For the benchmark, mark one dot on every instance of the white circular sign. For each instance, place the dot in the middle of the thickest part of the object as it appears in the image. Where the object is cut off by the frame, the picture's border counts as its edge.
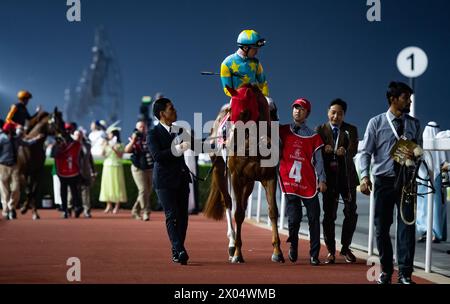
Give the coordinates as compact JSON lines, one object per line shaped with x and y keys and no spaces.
{"x":412,"y":62}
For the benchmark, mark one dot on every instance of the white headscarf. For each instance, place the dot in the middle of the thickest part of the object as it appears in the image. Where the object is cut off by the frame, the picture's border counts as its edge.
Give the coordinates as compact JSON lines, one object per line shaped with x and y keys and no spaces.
{"x":430,"y":132}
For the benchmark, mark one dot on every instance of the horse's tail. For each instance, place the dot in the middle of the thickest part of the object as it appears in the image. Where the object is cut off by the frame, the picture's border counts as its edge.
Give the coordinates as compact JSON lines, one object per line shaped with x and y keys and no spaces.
{"x":215,"y":204}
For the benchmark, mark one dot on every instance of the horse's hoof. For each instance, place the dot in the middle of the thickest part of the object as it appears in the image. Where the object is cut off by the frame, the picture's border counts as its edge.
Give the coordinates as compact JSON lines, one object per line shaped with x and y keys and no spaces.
{"x":278,"y":258}
{"x":231,"y":251}
{"x":23,"y":210}
{"x":36,"y":217}
{"x":237,"y":260}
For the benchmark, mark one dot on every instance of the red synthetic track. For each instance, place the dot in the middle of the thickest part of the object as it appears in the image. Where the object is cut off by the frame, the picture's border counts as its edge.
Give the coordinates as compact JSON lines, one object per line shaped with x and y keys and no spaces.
{"x":118,"y":249}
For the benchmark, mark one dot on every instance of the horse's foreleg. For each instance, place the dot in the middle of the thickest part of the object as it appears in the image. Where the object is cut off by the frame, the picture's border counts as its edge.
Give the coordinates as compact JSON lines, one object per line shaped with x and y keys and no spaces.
{"x":239,"y":216}
{"x":231,"y":234}
{"x":270,"y":187}
{"x":26,"y":204}
{"x":32,"y":195}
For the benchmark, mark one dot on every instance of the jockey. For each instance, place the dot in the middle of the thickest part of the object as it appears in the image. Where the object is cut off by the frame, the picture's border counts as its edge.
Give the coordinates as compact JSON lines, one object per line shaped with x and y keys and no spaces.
{"x":18,"y":112}
{"x":243,"y":67}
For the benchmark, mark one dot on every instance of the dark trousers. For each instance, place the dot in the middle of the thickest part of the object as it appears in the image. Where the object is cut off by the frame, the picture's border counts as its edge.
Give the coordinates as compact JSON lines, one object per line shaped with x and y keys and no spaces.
{"x":74,"y":184}
{"x":175,"y":203}
{"x":295,"y":214}
{"x":330,"y":207}
{"x":386,"y":197}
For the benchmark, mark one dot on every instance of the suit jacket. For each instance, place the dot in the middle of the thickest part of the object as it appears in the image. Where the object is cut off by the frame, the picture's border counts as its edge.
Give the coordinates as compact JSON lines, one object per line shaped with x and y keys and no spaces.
{"x":349,"y":142}
{"x":169,"y":171}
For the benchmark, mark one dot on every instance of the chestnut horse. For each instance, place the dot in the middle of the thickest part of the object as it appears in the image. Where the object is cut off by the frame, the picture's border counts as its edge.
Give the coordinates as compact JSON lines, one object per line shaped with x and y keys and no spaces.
{"x":243,"y":172}
{"x":31,"y":159}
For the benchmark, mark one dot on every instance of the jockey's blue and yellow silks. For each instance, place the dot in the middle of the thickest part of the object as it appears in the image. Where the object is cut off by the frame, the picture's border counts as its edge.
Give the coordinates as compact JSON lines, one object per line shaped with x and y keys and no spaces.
{"x":237,"y":71}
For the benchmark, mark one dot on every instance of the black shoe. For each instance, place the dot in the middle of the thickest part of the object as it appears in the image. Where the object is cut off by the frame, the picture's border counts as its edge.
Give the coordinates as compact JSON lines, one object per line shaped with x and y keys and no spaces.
{"x":384,"y":279}
{"x":293,"y":253}
{"x":65,"y":214}
{"x":405,"y":280}
{"x":183,"y":257}
{"x":314,"y":261}
{"x":78,"y":211}
{"x":175,"y":257}
{"x":331,"y":259}
{"x":348,"y":255}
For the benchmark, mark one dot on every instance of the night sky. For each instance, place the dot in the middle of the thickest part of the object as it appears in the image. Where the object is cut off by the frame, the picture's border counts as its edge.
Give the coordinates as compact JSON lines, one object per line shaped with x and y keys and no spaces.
{"x":315,"y":49}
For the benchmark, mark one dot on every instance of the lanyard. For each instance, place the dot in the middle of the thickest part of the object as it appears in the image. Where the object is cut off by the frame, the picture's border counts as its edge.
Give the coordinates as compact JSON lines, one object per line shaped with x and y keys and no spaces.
{"x":393,"y":128}
{"x":337,"y":141}
{"x":337,"y":138}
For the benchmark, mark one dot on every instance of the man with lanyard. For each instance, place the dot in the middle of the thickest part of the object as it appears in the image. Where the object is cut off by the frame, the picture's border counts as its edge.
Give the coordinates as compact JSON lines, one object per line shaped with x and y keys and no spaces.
{"x":383,"y":132}
{"x":301,"y":176}
{"x":341,"y":145}
{"x":18,"y":112}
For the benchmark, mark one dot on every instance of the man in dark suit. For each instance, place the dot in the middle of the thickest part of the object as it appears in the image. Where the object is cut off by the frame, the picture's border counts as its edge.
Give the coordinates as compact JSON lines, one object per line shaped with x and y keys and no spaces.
{"x":341,"y":145}
{"x":171,"y":176}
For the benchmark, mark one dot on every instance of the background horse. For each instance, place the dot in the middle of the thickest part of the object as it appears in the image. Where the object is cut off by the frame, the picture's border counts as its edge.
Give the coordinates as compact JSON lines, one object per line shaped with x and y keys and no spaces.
{"x":31,"y":159}
{"x":244,"y":171}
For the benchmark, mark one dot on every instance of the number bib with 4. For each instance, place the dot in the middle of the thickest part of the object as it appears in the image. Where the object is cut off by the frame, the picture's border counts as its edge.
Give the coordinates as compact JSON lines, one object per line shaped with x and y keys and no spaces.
{"x":297,"y":172}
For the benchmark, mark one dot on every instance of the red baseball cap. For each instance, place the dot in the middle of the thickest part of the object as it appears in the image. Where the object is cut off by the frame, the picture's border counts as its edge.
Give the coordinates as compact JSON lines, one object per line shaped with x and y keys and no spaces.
{"x":304,"y":103}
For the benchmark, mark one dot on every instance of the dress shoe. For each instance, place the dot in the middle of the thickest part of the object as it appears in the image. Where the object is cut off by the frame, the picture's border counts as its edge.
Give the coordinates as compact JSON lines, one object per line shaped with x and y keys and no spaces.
{"x":65,"y":214}
{"x":405,"y":280}
{"x":293,"y":253}
{"x":146,"y":217}
{"x":183,"y":257}
{"x":175,"y":257}
{"x":384,"y":279}
{"x":78,"y":211}
{"x":314,"y":261}
{"x":331,"y":259}
{"x":349,"y":256}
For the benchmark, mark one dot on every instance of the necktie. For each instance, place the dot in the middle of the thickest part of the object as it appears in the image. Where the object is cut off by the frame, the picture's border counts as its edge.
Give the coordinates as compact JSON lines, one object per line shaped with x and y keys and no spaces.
{"x":399,"y":127}
{"x":335,"y":134}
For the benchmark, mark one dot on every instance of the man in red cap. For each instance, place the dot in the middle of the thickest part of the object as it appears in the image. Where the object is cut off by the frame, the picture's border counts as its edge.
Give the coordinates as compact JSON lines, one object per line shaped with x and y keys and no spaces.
{"x":302,"y":177}
{"x":9,"y":172}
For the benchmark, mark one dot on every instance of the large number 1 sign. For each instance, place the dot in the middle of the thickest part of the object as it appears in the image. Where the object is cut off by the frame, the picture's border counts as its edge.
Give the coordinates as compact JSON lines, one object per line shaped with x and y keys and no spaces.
{"x":412,"y":62}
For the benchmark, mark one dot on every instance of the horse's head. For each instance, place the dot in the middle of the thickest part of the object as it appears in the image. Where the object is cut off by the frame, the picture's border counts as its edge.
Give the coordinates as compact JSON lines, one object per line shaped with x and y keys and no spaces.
{"x":244,"y":104}
{"x":56,"y":123}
